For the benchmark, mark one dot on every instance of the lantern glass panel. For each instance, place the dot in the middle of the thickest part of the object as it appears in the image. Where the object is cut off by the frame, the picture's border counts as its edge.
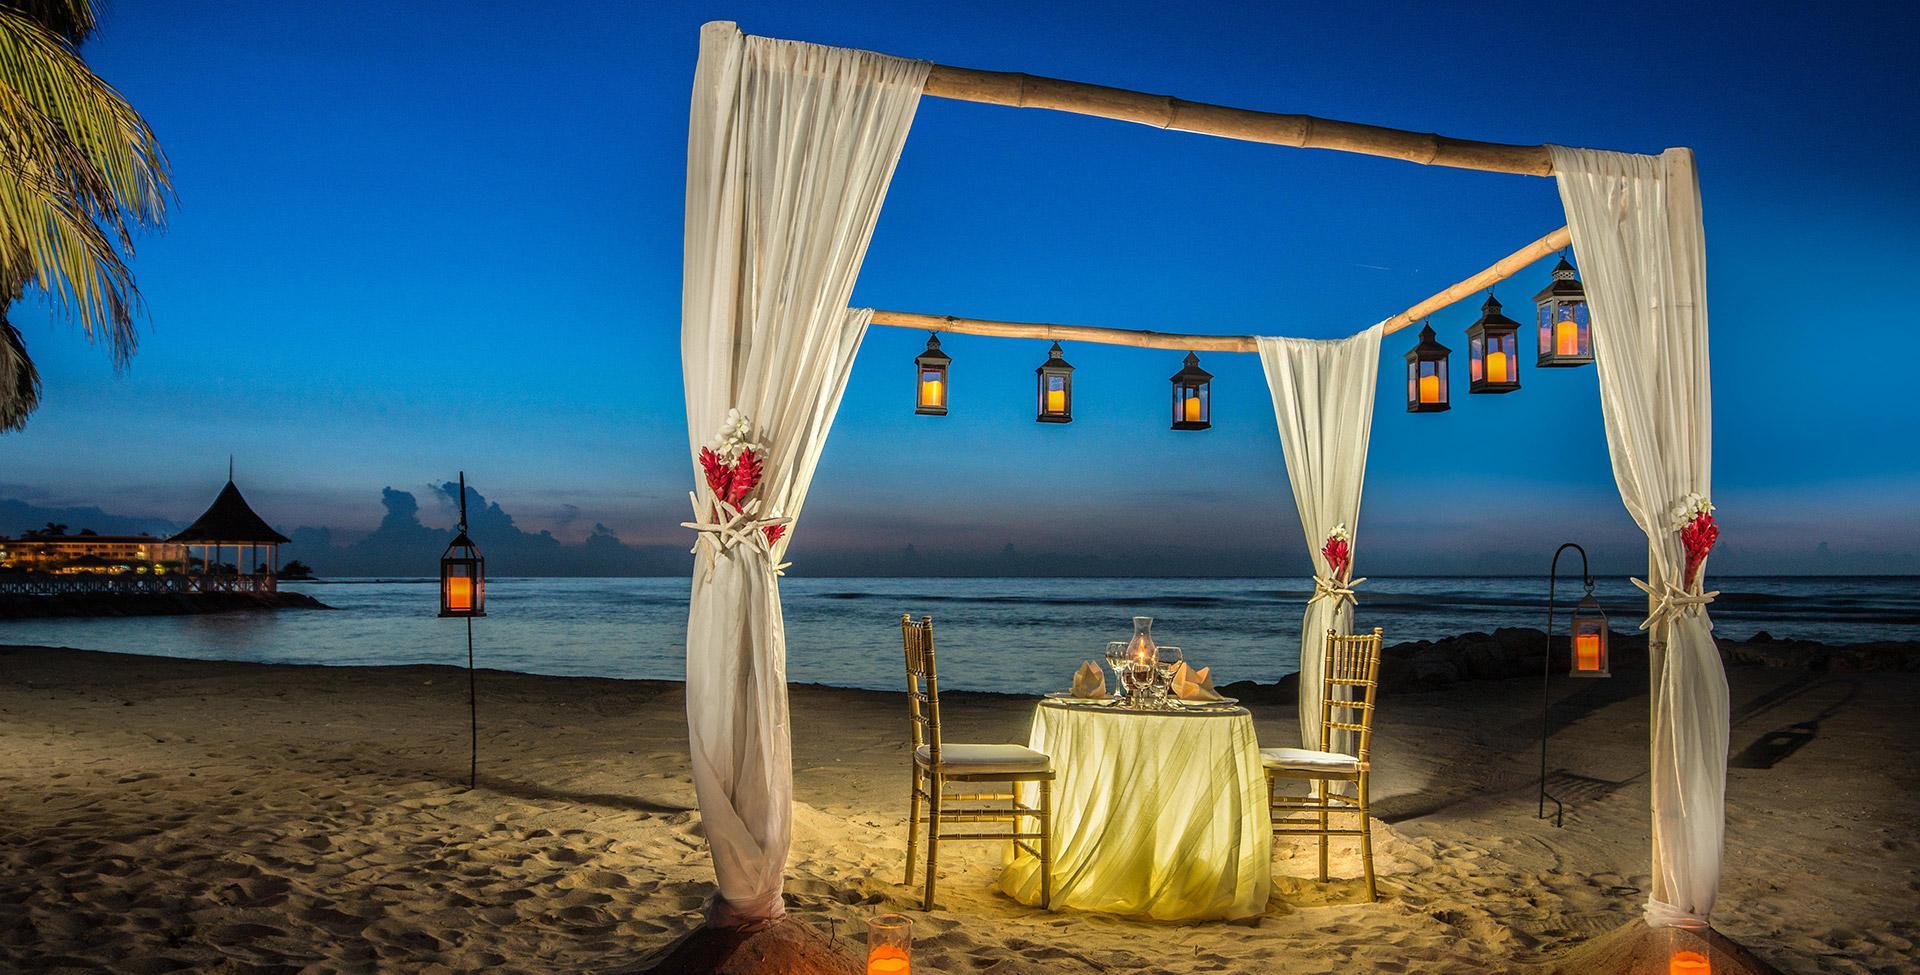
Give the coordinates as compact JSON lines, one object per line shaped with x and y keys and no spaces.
{"x":1427,"y":385}
{"x":1589,"y":641}
{"x":1566,"y":336}
{"x":932,"y":395}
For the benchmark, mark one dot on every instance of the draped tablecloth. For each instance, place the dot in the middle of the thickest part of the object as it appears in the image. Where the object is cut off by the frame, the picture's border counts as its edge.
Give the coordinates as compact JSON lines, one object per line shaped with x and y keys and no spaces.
{"x":1162,"y":814}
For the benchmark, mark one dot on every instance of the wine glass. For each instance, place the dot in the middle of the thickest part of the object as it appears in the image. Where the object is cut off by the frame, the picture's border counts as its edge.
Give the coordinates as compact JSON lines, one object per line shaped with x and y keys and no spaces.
{"x":1117,"y":659}
{"x":1166,"y":662}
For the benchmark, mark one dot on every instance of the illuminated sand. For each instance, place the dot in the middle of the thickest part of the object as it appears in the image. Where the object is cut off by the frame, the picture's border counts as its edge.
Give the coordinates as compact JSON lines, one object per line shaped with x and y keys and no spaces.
{"x":160,"y":815}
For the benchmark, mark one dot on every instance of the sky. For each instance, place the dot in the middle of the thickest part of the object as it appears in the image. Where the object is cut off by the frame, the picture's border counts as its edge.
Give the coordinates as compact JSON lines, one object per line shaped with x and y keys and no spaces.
{"x":415,"y":239}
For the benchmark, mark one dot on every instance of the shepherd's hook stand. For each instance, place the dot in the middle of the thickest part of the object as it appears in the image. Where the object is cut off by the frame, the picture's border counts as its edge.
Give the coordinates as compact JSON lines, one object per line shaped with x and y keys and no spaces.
{"x":473,"y":717}
{"x":1546,"y":678}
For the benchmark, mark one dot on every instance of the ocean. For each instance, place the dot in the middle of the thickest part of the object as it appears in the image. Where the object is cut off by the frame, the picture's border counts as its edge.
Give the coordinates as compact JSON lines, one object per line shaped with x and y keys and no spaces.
{"x":1013,"y":635}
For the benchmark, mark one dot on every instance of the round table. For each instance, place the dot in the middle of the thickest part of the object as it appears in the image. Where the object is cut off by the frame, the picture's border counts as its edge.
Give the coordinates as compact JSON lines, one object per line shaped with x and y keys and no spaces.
{"x":1155,"y":813}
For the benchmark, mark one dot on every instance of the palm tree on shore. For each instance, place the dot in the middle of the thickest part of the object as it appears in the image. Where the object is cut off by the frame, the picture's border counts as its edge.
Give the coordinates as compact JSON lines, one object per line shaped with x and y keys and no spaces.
{"x":79,"y":172}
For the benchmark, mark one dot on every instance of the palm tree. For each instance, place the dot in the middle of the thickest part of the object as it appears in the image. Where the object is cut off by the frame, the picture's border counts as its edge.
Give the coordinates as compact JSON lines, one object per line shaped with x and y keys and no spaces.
{"x":79,"y":171}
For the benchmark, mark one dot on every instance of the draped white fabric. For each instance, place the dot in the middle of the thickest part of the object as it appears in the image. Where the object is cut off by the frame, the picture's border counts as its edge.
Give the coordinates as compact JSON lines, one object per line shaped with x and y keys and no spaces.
{"x":790,"y":148}
{"x":1641,"y":246}
{"x":1323,"y":401}
{"x":1156,"y":814}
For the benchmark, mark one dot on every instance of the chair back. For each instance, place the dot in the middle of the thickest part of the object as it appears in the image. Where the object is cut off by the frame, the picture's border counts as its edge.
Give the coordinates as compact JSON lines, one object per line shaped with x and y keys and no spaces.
{"x":1351,"y":676}
{"x":923,"y":683}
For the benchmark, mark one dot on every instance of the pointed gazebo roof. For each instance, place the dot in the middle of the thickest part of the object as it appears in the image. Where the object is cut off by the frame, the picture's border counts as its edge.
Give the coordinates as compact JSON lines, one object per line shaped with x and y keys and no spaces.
{"x":227,"y":521}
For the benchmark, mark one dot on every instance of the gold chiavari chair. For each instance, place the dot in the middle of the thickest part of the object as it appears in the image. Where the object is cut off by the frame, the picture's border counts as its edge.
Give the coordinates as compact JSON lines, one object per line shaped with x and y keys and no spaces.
{"x":937,"y":762}
{"x":1351,"y":676}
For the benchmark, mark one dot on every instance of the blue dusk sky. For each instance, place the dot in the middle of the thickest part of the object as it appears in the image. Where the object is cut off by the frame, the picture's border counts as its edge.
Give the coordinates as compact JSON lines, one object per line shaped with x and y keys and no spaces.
{"x":424,"y":237}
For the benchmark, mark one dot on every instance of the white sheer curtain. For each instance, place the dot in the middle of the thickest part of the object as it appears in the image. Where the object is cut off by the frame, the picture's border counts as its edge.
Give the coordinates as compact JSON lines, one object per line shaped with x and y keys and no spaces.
{"x":1323,"y":401}
{"x":1642,"y":249}
{"x":790,"y":148}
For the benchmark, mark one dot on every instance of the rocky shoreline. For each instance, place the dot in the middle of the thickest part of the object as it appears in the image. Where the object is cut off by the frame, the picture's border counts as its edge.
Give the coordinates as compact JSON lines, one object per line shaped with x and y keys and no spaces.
{"x":1515,"y":652}
{"x":87,"y":604}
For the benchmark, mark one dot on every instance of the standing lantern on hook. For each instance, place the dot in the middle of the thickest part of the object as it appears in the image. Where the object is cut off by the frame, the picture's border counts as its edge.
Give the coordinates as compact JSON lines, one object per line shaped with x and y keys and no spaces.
{"x":1587,"y":638}
{"x":463,"y":593}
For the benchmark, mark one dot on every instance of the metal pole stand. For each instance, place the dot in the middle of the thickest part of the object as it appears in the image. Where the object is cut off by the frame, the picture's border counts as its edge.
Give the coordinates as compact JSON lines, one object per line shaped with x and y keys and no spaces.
{"x":1546,"y":678}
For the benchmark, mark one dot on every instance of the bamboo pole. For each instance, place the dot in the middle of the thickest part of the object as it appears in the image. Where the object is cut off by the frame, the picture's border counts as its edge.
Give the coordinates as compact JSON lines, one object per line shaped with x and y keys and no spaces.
{"x":1166,"y":112}
{"x":1499,"y":271}
{"x":1138,"y":338}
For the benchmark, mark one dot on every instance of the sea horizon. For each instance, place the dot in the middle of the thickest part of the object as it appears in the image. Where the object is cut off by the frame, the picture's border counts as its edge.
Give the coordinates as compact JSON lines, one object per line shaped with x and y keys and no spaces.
{"x":1007,"y":634}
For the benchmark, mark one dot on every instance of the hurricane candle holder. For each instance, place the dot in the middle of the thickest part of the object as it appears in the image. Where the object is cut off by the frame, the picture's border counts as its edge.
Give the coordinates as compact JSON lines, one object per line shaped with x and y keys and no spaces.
{"x":890,"y":945}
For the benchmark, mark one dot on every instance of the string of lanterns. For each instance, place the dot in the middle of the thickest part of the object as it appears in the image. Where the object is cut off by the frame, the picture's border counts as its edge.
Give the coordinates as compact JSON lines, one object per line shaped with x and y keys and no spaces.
{"x":1493,"y":361}
{"x":1192,"y":388}
{"x":1493,"y":345}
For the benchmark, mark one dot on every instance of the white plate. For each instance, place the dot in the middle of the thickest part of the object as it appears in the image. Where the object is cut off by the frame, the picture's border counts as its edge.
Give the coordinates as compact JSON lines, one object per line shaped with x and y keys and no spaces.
{"x":1068,"y":696}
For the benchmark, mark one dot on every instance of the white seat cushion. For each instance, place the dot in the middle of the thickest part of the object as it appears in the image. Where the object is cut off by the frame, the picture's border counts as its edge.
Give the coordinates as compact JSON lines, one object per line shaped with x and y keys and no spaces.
{"x":1305,"y":758}
{"x":982,"y":759}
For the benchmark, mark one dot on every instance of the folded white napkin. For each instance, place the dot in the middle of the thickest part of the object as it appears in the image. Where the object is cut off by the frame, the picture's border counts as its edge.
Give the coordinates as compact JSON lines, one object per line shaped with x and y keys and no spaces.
{"x":1193,"y":685}
{"x":1089,"y":681}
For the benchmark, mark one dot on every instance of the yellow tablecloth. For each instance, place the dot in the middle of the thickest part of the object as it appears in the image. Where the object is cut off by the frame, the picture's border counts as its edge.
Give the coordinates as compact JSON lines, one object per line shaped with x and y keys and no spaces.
{"x":1155,"y":814}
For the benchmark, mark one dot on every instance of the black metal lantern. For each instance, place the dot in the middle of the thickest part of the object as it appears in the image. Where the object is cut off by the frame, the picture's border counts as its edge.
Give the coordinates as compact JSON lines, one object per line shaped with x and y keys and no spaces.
{"x":1192,"y":396}
{"x":930,"y":379}
{"x":1589,"y":638}
{"x":1427,"y":374}
{"x":463,"y":570}
{"x":1056,"y":388}
{"x":1565,"y":339}
{"x":1493,"y":348}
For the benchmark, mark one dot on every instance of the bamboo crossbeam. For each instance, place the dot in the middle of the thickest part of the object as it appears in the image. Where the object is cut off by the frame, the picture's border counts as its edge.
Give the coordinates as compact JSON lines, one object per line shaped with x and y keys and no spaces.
{"x":1499,"y":271}
{"x":1166,"y":112}
{"x":1138,"y":338}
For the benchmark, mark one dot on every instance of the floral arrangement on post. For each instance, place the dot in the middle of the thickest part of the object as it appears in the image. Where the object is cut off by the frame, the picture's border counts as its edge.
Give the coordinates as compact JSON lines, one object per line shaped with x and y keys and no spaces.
{"x":1338,"y":551}
{"x":1692,"y":517}
{"x":733,"y":467}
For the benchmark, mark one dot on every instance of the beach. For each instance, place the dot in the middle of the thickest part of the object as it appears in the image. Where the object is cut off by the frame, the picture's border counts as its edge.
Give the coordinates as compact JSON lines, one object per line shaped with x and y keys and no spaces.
{"x":164,"y":815}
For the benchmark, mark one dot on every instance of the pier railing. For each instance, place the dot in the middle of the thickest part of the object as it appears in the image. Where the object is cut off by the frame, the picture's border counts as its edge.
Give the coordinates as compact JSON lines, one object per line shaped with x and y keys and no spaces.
{"x":129,"y":583}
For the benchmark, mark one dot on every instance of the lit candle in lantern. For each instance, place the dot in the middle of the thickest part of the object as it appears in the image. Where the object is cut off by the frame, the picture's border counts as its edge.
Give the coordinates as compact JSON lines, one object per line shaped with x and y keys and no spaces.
{"x":1056,"y":401}
{"x":888,"y":960}
{"x":889,"y":945}
{"x":1429,"y":389}
{"x":1586,"y":651}
{"x":1190,"y":410}
{"x":1496,"y":367}
{"x":459,"y":593}
{"x":1689,"y":963}
{"x":1566,"y":338}
{"x":931,"y":392}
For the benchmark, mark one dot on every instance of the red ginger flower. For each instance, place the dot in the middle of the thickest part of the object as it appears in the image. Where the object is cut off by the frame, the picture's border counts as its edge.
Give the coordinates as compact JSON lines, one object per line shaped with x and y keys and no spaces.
{"x":1697,"y":537}
{"x":1339,"y":555}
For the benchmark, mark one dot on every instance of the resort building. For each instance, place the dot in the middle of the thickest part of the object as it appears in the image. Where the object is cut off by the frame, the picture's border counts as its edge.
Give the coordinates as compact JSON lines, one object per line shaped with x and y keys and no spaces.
{"x":88,"y":552}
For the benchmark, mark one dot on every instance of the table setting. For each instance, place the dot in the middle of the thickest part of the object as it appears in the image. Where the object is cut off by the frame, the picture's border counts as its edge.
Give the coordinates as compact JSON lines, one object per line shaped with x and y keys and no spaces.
{"x":1159,"y":794}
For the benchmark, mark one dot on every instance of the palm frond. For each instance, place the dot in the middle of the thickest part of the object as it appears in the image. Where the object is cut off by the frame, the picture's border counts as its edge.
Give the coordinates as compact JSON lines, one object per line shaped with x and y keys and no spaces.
{"x":79,"y":170}
{"x":19,"y":380}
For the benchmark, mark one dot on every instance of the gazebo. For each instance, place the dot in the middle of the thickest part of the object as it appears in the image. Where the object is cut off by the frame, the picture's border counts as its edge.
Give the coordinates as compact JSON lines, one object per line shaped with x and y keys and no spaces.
{"x":230,"y":521}
{"x":791,"y":147}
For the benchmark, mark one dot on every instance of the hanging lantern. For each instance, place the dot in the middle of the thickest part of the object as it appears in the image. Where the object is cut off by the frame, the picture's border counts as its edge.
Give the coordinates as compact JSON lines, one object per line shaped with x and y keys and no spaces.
{"x":1192,"y":396}
{"x":1589,"y":639}
{"x":930,"y":379}
{"x":1427,"y":374}
{"x":1056,"y":388}
{"x":463,"y":570}
{"x":1493,"y":347}
{"x":1565,"y":339}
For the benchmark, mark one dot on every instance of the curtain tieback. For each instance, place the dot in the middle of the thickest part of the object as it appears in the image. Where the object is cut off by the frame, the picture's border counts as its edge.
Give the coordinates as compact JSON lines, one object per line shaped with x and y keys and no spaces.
{"x":1670,"y":602}
{"x":732,"y":527}
{"x":1337,"y":590}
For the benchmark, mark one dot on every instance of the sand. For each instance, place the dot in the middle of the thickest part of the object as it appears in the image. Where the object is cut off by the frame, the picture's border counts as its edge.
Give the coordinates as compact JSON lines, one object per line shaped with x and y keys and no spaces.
{"x":167,"y":815}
